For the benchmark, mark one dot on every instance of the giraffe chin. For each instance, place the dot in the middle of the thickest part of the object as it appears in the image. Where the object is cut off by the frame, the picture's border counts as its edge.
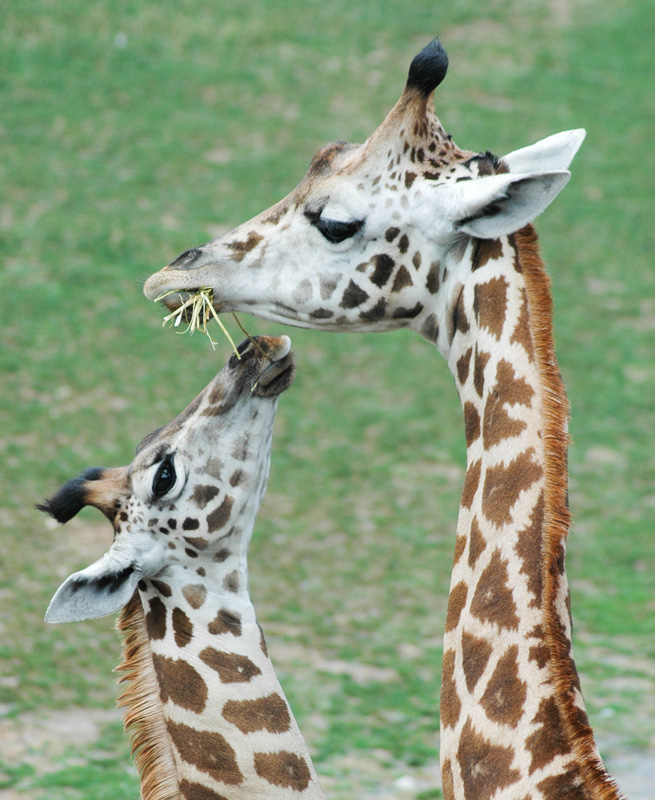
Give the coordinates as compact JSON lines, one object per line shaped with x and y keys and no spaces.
{"x":276,"y":378}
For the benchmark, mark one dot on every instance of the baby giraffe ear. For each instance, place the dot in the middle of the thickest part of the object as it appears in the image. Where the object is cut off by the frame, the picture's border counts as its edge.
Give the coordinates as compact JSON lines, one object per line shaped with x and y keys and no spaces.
{"x":101,"y":589}
{"x":497,"y":205}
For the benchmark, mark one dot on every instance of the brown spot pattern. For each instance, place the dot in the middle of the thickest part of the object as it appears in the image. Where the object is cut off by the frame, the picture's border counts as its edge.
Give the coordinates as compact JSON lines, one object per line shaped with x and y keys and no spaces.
{"x":456,"y":603}
{"x":383,"y":267}
{"x":196,"y":791}
{"x":471,"y":423}
{"x":485,"y":767}
{"x":196,"y":541}
{"x":477,"y":544}
{"x":568,"y":786}
{"x":402,"y":279}
{"x":480,"y":362}
{"x":410,"y":177}
{"x":156,"y":619}
{"x":231,"y":667}
{"x":522,"y":334}
{"x":221,"y":555}
{"x":225,"y":622}
{"x":283,"y":769}
{"x":377,"y":312}
{"x":182,"y":628}
{"x":264,"y":714}
{"x":220,"y":515}
{"x":180,"y":683}
{"x":529,"y":550}
{"x":490,"y":305}
{"x":548,"y":741}
{"x":240,"y":249}
{"x":237,"y":477}
{"x":461,"y":320}
{"x":463,"y":365}
{"x":486,"y":250}
{"x":505,"y":694}
{"x":207,"y":751}
{"x":232,"y":582}
{"x":540,"y":654}
{"x":240,"y":449}
{"x":448,"y":787}
{"x":503,"y":485}
{"x":163,"y":588}
{"x":475,"y":656}
{"x":430,"y":328}
{"x":471,"y":482}
{"x":433,"y":281}
{"x":195,"y":594}
{"x":202,"y":494}
{"x":451,"y":705}
{"x":497,"y":424}
{"x":354,"y":296}
{"x":460,"y":546}
{"x":512,"y":389}
{"x":328,"y":287}
{"x":493,"y":600}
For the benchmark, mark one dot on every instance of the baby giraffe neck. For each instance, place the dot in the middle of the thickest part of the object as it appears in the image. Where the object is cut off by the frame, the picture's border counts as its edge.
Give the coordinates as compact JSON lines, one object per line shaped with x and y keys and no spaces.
{"x":207,"y":715}
{"x":512,"y":715}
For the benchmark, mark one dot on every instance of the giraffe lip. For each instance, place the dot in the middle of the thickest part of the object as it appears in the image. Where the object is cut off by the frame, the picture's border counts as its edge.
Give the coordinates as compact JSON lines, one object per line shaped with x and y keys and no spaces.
{"x":174,"y":301}
{"x":276,"y":378}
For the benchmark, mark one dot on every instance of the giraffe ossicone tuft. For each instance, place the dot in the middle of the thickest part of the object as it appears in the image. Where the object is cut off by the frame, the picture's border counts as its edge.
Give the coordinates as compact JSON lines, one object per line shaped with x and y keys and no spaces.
{"x":428,"y":68}
{"x":71,"y":497}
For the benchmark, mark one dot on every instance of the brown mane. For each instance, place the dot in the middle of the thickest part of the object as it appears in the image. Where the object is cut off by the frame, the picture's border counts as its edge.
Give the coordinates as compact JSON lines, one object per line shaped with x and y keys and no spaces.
{"x":143,"y":719}
{"x":557,"y":518}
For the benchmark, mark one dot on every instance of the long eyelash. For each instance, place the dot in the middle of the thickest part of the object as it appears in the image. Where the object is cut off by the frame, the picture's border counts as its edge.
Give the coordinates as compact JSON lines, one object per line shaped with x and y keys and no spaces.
{"x":333,"y":230}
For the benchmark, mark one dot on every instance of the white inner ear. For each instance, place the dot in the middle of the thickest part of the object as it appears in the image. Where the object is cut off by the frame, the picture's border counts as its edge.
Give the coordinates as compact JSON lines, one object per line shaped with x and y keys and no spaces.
{"x":107,"y":585}
{"x":498,"y":205}
{"x":551,"y":154}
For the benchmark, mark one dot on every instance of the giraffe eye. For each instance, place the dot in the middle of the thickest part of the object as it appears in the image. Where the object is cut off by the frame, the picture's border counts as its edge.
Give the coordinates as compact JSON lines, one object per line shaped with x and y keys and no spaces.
{"x":164,"y":479}
{"x":332,"y":229}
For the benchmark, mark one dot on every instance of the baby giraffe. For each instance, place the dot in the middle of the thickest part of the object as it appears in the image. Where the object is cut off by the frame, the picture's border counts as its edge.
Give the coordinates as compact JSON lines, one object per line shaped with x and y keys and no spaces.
{"x":206,"y":713}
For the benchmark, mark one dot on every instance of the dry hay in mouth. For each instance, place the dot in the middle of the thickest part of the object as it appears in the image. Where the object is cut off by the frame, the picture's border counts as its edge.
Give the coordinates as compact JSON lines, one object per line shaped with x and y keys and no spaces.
{"x":202,"y":311}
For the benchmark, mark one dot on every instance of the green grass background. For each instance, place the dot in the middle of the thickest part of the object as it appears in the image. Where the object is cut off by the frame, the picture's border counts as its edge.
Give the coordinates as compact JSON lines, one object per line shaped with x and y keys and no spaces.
{"x":131,"y":131}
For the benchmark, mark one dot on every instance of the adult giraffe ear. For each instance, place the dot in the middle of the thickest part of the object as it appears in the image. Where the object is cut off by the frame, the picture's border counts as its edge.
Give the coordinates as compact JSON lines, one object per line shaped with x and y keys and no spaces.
{"x":497,"y":205}
{"x":108,"y":584}
{"x":547,"y":155}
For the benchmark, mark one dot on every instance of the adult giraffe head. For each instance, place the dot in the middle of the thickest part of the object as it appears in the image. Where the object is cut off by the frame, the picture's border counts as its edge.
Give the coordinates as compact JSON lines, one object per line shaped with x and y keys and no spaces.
{"x":371,"y":233}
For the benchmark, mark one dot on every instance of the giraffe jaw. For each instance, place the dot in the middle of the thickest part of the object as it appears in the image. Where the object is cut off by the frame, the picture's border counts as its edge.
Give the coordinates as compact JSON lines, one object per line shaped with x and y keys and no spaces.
{"x":278,"y":375}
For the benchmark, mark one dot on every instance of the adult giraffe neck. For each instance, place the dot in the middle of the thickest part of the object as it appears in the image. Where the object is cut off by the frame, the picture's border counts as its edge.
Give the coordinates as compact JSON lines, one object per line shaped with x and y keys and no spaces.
{"x":512,"y":714}
{"x":206,"y":713}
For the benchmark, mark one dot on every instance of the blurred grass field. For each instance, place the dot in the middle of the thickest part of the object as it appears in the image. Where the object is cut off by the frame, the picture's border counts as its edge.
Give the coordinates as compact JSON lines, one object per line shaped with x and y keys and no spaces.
{"x":131,"y":131}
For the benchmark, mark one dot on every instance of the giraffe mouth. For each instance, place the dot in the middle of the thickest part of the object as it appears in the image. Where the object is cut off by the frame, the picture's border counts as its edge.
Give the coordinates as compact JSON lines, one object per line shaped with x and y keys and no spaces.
{"x":276,"y":377}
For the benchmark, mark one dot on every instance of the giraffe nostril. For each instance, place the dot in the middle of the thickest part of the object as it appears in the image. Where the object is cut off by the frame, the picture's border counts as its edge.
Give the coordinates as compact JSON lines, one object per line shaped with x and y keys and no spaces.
{"x":245,"y":350}
{"x":186,"y":258}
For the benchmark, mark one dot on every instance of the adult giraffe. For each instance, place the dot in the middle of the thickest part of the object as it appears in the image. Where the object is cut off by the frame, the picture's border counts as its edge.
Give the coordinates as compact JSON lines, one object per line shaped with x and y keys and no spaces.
{"x":408,"y":230}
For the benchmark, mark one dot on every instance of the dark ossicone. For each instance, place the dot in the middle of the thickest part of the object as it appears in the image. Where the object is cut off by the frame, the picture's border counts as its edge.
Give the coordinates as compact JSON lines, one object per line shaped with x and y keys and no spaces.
{"x":428,"y":68}
{"x":71,"y":498}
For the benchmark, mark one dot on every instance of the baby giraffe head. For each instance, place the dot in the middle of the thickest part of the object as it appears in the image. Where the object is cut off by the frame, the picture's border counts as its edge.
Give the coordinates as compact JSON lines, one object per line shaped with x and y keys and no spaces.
{"x":190,"y":497}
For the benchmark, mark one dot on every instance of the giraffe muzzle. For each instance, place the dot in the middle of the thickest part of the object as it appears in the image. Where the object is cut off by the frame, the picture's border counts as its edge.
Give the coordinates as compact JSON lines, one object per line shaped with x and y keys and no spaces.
{"x":276,"y":363}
